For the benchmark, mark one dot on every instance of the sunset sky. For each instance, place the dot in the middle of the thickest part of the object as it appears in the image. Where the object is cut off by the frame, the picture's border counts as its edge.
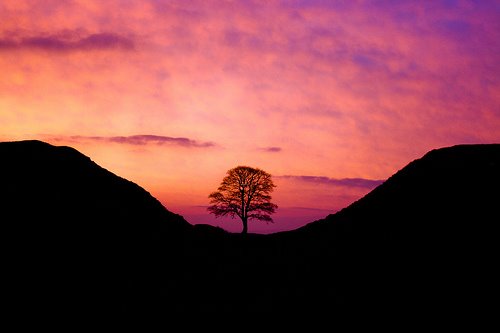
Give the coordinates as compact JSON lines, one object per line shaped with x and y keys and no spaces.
{"x":330,"y":97}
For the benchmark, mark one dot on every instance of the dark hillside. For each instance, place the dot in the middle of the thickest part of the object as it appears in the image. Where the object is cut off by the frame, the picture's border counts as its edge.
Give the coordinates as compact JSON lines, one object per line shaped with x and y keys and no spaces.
{"x":427,"y":233}
{"x":78,"y":235}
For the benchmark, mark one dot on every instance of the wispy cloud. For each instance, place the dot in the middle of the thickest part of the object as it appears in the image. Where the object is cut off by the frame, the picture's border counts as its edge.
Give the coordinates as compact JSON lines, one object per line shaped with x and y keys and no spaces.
{"x":347,"y":182}
{"x":140,"y":140}
{"x":271,"y":149}
{"x":68,"y":41}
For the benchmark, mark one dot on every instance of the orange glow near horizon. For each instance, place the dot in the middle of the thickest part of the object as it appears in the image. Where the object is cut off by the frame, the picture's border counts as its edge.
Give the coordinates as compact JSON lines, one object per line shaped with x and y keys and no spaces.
{"x":306,"y":89}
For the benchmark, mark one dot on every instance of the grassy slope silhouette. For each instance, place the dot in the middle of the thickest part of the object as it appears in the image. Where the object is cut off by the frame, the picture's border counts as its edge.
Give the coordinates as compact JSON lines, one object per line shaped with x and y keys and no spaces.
{"x":80,"y":238}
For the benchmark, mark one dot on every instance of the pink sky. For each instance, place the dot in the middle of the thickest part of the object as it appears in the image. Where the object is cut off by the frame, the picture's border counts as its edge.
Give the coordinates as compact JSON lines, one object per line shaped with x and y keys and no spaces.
{"x":330,"y":97}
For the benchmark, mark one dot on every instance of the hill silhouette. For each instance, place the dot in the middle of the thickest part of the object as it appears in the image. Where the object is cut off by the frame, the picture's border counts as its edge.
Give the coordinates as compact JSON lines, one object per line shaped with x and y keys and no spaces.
{"x":80,"y":238}
{"x":78,"y":235}
{"x":425,"y":237}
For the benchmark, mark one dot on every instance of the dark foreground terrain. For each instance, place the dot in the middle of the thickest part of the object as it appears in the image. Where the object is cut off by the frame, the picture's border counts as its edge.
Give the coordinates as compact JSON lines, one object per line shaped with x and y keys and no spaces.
{"x":79,"y":239}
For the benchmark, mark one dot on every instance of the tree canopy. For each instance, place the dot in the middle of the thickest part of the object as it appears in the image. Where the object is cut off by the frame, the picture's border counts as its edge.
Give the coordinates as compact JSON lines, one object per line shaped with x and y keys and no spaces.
{"x":244,"y":192}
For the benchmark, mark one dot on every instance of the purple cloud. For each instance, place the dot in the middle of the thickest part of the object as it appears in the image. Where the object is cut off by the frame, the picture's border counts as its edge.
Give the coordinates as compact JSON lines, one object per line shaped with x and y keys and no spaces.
{"x":106,"y":41}
{"x":141,"y":140}
{"x":322,"y":4}
{"x":347,"y":182}
{"x":7,"y":44}
{"x":233,"y":37}
{"x":61,"y":42}
{"x":271,"y":149}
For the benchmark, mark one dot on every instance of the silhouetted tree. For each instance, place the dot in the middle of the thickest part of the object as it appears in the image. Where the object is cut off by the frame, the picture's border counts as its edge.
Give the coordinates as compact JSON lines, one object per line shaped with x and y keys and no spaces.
{"x":244,"y":192}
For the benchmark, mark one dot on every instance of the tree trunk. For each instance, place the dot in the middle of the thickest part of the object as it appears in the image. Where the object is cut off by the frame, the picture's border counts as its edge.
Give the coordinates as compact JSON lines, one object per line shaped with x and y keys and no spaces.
{"x":245,"y":228}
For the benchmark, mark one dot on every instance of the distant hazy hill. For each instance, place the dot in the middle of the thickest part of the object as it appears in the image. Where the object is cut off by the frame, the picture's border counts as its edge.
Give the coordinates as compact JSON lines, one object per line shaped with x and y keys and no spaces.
{"x":79,"y":238}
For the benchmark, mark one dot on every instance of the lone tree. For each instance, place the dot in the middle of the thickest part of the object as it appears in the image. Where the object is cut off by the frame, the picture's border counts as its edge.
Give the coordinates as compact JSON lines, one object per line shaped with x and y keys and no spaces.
{"x":244,"y":192}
